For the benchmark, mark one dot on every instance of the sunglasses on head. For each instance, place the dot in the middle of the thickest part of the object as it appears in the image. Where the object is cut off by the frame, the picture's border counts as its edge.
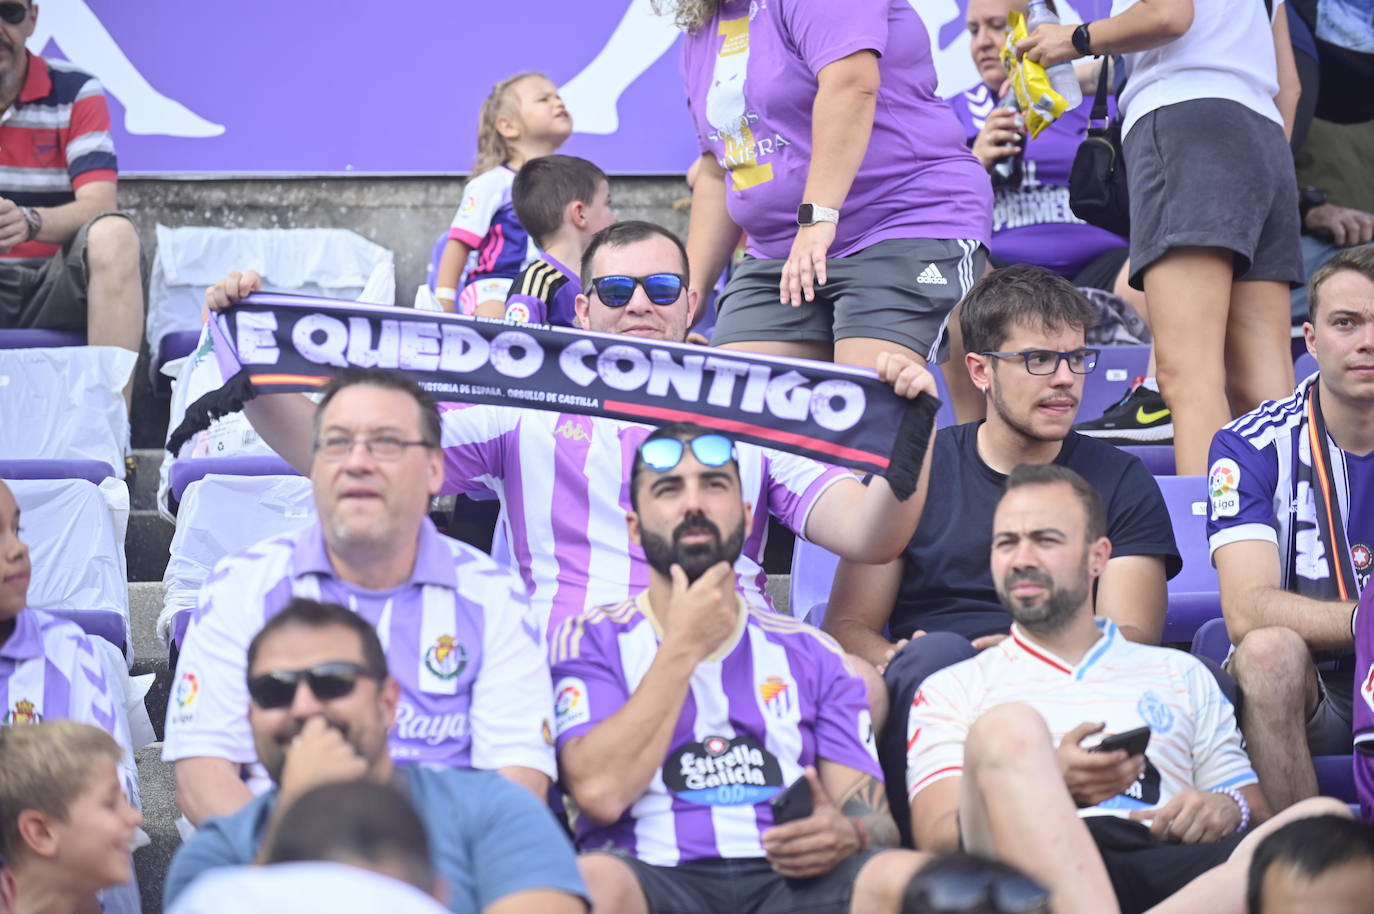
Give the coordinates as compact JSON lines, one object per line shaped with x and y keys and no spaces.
{"x":616,"y":291}
{"x":712,"y":450}
{"x":327,"y":681}
{"x":13,"y":13}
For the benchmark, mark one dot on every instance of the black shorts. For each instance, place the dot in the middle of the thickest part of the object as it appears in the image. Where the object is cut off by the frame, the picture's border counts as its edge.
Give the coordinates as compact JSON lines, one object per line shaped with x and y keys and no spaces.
{"x":1145,"y":871}
{"x":48,"y":293}
{"x":744,"y":886}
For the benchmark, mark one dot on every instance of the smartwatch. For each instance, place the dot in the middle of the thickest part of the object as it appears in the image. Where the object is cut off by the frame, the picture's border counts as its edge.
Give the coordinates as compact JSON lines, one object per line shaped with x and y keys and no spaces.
{"x":811,"y":213}
{"x":35,"y":220}
{"x":1309,"y":199}
{"x":1082,"y":41}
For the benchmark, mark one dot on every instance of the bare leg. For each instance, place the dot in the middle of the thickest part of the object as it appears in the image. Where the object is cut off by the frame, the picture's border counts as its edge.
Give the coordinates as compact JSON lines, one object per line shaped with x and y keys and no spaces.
{"x":114,"y":287}
{"x":1189,"y":292}
{"x":863,"y":351}
{"x":612,"y":885}
{"x":1221,"y":890}
{"x":1274,"y":670}
{"x":1136,"y":299}
{"x":819,"y":352}
{"x":1028,"y":819}
{"x":882,"y":881}
{"x":1259,"y":361}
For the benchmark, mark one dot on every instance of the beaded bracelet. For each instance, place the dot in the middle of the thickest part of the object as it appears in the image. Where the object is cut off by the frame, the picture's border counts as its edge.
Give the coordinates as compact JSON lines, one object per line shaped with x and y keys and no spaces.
{"x":1240,"y":801}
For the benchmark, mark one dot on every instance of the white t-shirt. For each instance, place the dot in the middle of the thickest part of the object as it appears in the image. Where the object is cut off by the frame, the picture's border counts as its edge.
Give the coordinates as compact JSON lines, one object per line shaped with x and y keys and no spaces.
{"x":1228,"y":53}
{"x":288,"y":888}
{"x":1194,"y":740}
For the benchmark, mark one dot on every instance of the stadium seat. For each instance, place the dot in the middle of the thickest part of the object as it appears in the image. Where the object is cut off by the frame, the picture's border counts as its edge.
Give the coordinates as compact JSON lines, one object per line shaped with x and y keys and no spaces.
{"x":436,"y":255}
{"x":220,"y":515}
{"x":1336,"y":777}
{"x":1158,"y":458}
{"x":813,"y":571}
{"x":40,"y":339}
{"x":1116,"y":368}
{"x":1194,"y":596}
{"x":93,"y":471}
{"x":1304,"y":366}
{"x":175,"y":345}
{"x":185,"y":472}
{"x":77,"y":555}
{"x":1212,"y":641}
{"x":945,"y":417}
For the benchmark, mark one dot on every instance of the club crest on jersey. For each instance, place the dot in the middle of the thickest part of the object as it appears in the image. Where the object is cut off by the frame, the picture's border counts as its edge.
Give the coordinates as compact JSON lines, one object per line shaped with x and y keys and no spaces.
{"x":1361,"y":556}
{"x":23,"y":713}
{"x":446,"y":658}
{"x":188,"y":687}
{"x":570,"y":706}
{"x":1155,"y":712}
{"x":1223,"y":481}
{"x":777,"y":695}
{"x":720,"y":771}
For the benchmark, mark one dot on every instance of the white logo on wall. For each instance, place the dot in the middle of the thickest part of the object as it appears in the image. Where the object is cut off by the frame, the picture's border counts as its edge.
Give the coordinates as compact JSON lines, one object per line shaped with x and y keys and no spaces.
{"x":74,"y":28}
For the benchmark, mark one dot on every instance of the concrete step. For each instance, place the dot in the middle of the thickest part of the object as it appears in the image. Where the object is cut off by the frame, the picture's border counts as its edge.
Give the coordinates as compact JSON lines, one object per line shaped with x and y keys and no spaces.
{"x":147,"y":462}
{"x":146,"y":544}
{"x":158,"y":789}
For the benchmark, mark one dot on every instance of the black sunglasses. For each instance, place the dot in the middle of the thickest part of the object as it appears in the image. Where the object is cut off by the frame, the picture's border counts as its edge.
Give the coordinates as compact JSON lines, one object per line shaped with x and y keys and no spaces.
{"x":328,"y":681}
{"x":616,"y":291}
{"x":13,"y":13}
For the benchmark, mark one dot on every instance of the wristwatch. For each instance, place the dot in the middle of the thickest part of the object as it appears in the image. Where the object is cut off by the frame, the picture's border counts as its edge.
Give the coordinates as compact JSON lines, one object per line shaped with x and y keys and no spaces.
{"x":1082,"y":41}
{"x":1309,"y":199}
{"x":811,"y":213}
{"x":35,"y":220}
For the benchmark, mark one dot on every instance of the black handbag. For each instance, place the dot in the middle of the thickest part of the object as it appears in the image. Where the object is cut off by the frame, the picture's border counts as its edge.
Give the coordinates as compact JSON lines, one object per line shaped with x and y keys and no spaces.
{"x":1097,"y":180}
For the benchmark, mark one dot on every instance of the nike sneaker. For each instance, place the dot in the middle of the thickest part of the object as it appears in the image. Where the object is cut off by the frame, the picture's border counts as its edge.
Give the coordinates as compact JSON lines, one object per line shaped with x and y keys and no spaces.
{"x":1139,"y":418}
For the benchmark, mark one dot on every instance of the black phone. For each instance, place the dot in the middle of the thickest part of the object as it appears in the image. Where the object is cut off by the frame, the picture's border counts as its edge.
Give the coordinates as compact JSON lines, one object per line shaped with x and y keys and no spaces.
{"x":793,"y":803}
{"x":1133,"y":741}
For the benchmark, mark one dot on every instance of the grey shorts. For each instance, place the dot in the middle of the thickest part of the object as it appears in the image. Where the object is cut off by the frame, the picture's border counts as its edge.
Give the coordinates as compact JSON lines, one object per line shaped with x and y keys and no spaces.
{"x":1330,"y":728}
{"x":900,"y":290}
{"x":744,"y":886}
{"x":49,"y":293}
{"x":1212,"y":173}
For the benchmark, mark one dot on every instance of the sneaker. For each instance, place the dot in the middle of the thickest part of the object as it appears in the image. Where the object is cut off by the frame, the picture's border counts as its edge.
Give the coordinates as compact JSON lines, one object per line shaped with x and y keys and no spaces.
{"x":1139,"y":418}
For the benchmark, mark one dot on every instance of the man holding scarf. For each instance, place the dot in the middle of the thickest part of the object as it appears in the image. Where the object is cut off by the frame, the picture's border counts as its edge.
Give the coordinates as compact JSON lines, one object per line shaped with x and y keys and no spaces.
{"x":1291,"y":530}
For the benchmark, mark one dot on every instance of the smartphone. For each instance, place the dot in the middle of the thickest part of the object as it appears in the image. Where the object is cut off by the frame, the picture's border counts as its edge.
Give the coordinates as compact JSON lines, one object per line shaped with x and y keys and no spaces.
{"x":793,"y":803}
{"x":1133,"y":741}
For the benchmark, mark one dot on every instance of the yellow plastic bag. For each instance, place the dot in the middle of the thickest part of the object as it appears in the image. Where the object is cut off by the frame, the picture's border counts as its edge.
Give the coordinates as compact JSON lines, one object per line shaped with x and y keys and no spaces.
{"x":1040,"y":104}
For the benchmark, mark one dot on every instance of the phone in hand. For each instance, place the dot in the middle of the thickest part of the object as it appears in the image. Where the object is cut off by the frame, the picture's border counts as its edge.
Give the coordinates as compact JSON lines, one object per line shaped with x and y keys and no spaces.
{"x":1133,"y":741}
{"x":793,"y":803}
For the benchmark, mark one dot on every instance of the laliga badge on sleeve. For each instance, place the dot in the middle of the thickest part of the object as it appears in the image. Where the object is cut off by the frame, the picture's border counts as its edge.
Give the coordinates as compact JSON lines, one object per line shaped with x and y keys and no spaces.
{"x":1223,"y":485}
{"x":570,"y":703}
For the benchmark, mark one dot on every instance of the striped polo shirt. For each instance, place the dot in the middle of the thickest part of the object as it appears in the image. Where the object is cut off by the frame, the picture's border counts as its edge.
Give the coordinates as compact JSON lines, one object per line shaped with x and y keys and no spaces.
{"x":53,"y":140}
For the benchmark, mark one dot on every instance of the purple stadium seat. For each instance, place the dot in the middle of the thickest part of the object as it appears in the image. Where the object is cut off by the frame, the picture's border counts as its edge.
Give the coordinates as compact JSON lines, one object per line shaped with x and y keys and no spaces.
{"x":432,"y":274}
{"x":94,"y":470}
{"x":174,"y":345}
{"x":1304,"y":366}
{"x":1336,"y":777}
{"x":185,"y":472}
{"x":40,"y":339}
{"x":1158,"y":458}
{"x":1194,"y":596}
{"x":107,"y":625}
{"x":1117,"y":367}
{"x":813,"y":571}
{"x":945,"y":417}
{"x":1212,"y":641}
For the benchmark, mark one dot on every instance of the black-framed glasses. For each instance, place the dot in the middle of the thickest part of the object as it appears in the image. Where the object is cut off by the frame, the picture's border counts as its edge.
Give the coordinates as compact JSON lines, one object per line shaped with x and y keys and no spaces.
{"x":327,"y":681}
{"x":1046,"y":361}
{"x":662,"y":454}
{"x":381,"y":447}
{"x":14,"y":13}
{"x":616,"y":291}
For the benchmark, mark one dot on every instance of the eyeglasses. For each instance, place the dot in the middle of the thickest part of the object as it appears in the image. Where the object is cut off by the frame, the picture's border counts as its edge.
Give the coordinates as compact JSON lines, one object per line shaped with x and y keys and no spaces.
{"x":381,"y":447}
{"x":616,"y":291}
{"x":328,"y":681}
{"x":1046,"y":361}
{"x":949,"y":892}
{"x":662,"y":454}
{"x":13,"y":13}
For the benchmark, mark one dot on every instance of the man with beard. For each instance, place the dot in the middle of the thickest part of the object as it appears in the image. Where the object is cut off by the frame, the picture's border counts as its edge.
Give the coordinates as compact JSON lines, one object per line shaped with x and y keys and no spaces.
{"x":320,"y":705}
{"x":682,"y":711}
{"x":68,"y":260}
{"x":1023,"y":327}
{"x":1159,"y":816}
{"x":462,"y":640}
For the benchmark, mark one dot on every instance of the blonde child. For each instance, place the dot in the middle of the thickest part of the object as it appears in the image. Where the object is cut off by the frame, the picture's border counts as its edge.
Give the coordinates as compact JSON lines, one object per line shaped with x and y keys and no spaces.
{"x":66,"y":827}
{"x":523,"y":118}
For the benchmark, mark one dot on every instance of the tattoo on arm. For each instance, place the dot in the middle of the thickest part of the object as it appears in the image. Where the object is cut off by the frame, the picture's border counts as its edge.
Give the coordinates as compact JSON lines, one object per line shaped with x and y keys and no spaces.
{"x":866,"y":799}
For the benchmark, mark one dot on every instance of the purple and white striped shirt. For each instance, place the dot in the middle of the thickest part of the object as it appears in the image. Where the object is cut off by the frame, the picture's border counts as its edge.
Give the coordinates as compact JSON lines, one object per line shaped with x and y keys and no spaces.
{"x":459,"y":638}
{"x":777,"y":696}
{"x":564,"y":485}
{"x":50,"y":670}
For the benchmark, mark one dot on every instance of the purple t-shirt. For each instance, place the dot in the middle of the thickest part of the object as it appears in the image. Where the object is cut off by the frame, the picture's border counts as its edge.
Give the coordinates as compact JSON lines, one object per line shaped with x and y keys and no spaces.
{"x":751,"y":77}
{"x":1034,"y":223}
{"x":777,"y":696}
{"x":545,"y":292}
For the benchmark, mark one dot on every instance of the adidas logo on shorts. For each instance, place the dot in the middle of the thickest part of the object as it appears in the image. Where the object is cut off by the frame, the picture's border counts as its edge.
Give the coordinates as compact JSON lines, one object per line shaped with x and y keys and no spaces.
{"x":931,"y":276}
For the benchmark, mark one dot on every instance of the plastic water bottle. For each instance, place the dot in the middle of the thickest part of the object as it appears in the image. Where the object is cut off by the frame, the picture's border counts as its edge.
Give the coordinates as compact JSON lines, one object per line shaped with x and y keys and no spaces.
{"x":1062,"y":75}
{"x":1009,"y":172}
